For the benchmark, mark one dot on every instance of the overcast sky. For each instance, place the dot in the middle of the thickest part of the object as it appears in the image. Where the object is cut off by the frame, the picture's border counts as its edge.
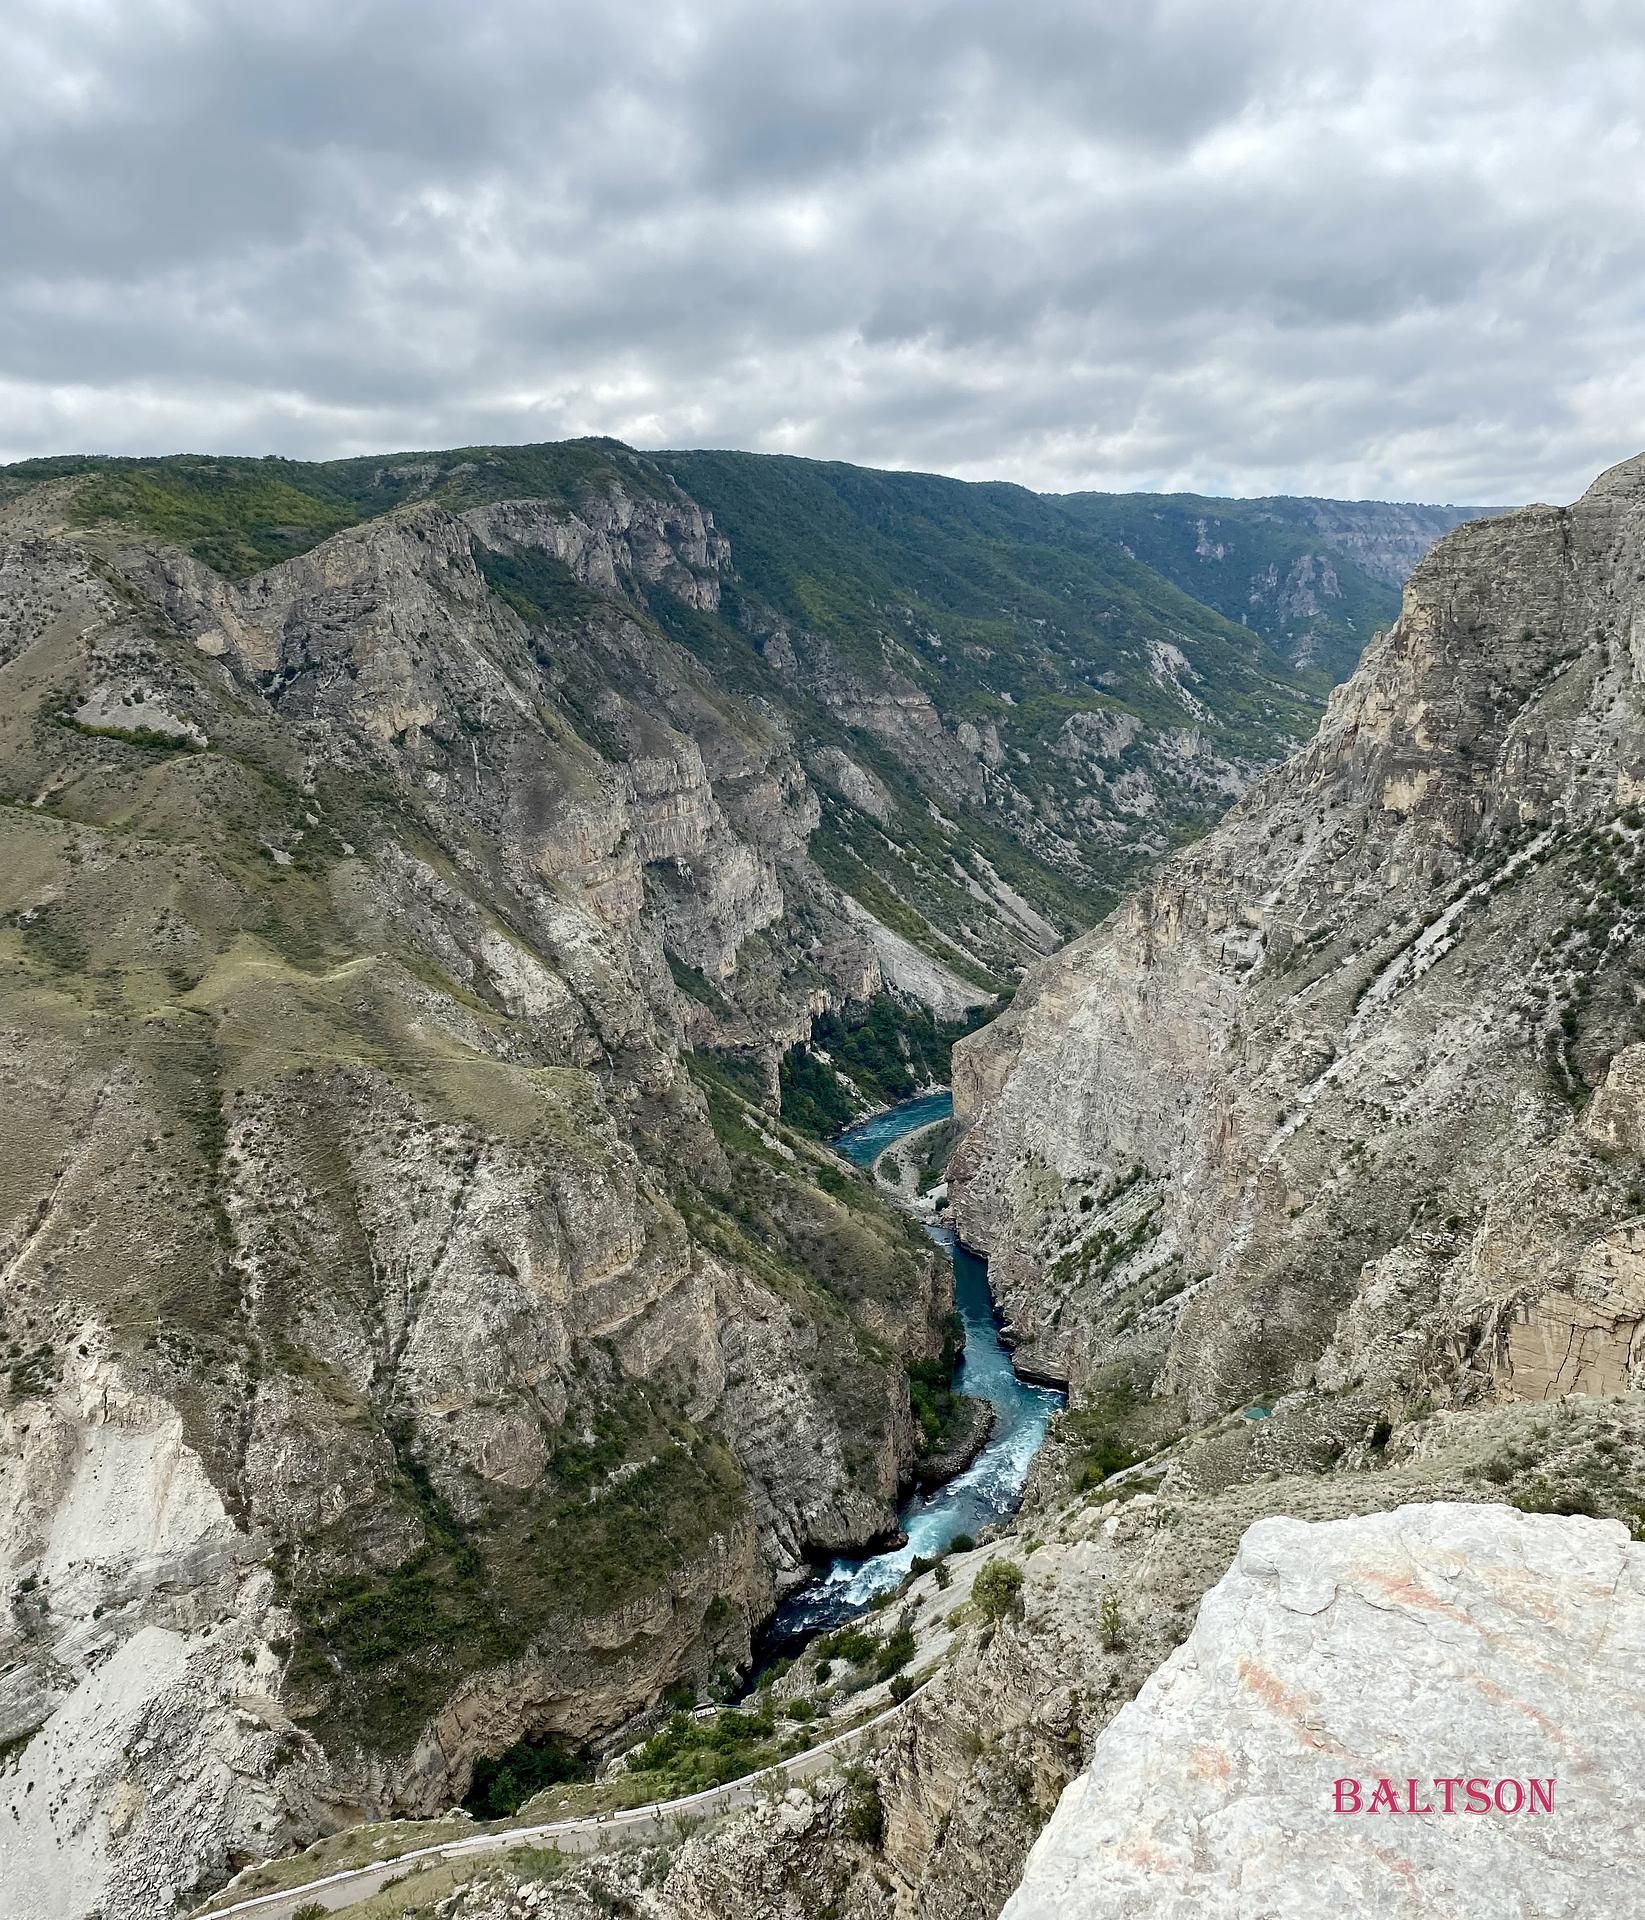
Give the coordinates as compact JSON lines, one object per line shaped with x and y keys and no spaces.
{"x":1394,"y":248}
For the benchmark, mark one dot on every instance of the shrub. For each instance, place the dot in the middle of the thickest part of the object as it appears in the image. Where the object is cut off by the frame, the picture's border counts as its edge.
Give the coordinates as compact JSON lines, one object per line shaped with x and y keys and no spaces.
{"x":503,"y":1782}
{"x":864,"y":1811}
{"x":997,"y":1590}
{"x":850,"y":1644}
{"x":1111,"y":1623}
{"x":895,"y":1654}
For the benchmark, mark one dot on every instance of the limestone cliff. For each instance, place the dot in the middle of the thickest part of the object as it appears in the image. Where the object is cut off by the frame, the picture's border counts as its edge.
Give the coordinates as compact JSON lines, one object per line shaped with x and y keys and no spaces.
{"x":421,"y":1330}
{"x":1315,"y":577}
{"x":404,"y":1355}
{"x":1318,"y":1168}
{"x":1342,"y":1102}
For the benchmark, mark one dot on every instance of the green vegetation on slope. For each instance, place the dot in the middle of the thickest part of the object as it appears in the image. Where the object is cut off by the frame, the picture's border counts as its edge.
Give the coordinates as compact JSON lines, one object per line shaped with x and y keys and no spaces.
{"x":240,"y":514}
{"x":1011,"y":612}
{"x":887,"y":1054}
{"x":504,"y":1782}
{"x":1285,"y":567}
{"x":380,"y":1651}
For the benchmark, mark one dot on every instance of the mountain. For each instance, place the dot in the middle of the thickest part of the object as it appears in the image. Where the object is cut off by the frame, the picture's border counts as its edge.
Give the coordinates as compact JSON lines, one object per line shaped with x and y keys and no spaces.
{"x":1343,"y":1105}
{"x":441,"y":898}
{"x":1316,"y":578}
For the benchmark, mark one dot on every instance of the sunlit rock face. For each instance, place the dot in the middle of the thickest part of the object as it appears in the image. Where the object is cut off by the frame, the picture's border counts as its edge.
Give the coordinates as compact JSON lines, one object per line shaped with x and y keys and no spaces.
{"x":1484,"y":1663}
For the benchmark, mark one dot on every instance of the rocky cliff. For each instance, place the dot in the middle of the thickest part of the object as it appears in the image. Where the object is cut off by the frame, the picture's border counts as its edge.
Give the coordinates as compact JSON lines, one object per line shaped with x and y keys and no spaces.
{"x":1342,"y":1103}
{"x":422,"y":1330}
{"x":1317,"y":578}
{"x":1318,"y":1167}
{"x":405,"y":1354}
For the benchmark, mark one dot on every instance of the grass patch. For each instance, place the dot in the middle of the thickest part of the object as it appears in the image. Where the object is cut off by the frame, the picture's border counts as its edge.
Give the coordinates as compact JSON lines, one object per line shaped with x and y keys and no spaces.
{"x":236,"y":516}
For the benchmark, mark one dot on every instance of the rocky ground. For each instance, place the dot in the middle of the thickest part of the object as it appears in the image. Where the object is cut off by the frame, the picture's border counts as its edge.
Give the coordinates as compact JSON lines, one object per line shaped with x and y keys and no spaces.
{"x":1430,"y":1711}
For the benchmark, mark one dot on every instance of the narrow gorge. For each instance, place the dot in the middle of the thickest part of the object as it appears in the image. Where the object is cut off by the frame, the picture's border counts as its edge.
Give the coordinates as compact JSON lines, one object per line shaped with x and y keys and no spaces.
{"x":1317,"y":1168}
{"x":451,"y":904}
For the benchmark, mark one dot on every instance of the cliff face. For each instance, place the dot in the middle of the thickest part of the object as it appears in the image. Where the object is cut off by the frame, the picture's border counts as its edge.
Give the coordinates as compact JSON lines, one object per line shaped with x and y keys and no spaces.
{"x":1343,"y":1113}
{"x":419,"y":1330}
{"x":1183,"y":1676}
{"x":1345,"y":1099}
{"x":1317,"y":578}
{"x":398,"y":1363}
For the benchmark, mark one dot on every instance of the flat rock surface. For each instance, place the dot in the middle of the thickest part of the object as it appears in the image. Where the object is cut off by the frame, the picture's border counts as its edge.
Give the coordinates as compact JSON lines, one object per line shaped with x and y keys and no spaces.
{"x":1431,"y":1642}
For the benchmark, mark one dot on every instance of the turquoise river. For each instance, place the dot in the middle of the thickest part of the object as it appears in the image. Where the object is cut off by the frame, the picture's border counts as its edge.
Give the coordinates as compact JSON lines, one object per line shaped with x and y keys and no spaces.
{"x":990,"y":1489}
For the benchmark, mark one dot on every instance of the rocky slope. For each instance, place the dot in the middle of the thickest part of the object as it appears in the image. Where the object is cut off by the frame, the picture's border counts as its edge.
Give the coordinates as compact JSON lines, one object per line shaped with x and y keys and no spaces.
{"x":1344,"y":1102}
{"x":406,"y":1353}
{"x":1001,"y":714}
{"x":941,"y":1820}
{"x":421,"y":1331}
{"x":1319,"y":1168}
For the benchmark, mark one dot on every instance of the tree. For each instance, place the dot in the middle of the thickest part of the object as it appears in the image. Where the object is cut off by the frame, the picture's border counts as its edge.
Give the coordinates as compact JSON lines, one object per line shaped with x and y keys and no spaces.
{"x":864,"y":1811}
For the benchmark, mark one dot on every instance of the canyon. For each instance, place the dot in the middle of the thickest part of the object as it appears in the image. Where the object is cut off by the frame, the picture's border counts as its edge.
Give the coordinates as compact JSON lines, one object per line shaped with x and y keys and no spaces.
{"x":429,"y":1324}
{"x":1317,"y":1169}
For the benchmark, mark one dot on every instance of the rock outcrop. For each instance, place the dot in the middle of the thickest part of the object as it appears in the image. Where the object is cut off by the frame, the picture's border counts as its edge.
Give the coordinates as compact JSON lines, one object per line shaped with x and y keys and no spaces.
{"x":1473,"y":1675}
{"x":421,"y":1332}
{"x":940,"y":1814}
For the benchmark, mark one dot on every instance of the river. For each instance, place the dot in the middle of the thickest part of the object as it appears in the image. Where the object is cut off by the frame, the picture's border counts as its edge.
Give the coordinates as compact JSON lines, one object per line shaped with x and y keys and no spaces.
{"x":991,"y":1487}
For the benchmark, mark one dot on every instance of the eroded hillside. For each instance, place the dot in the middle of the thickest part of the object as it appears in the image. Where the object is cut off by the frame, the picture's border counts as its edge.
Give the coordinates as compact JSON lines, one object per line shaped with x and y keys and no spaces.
{"x":1318,"y":1169}
{"x":1344,"y":1104}
{"x":406,"y":1352}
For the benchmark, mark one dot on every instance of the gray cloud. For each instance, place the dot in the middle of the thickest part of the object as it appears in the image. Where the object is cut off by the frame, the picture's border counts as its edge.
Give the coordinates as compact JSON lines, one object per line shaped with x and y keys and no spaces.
{"x":1280,"y":246}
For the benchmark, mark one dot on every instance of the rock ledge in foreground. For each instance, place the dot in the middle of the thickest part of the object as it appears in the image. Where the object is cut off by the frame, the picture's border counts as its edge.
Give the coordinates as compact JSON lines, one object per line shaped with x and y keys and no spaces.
{"x":1436,"y":1642}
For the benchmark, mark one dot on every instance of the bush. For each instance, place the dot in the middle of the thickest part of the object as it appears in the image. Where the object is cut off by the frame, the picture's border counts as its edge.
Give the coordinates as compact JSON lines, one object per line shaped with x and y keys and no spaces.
{"x":997,"y":1590}
{"x":850,"y":1644}
{"x":864,"y":1811}
{"x":895,"y":1654}
{"x":901,"y":1687}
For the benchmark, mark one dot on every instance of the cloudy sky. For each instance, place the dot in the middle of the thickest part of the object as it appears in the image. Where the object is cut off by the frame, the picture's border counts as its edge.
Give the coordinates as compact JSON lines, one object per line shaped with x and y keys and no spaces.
{"x":1392,"y":249}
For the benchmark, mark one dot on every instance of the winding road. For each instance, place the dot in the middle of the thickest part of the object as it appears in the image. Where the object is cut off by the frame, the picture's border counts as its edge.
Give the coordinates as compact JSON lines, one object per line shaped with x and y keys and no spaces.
{"x":351,"y":1884}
